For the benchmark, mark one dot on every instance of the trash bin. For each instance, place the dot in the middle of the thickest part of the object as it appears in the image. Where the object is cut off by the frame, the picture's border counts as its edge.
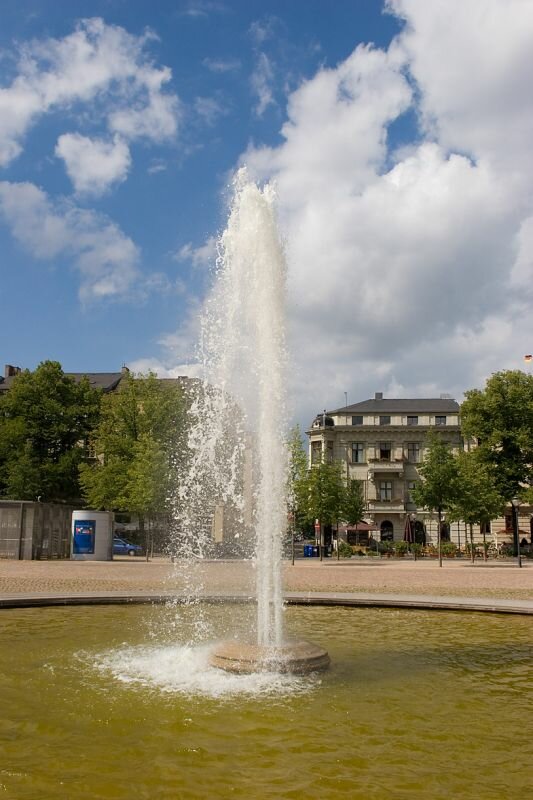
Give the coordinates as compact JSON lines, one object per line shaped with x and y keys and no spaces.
{"x":316,"y":550}
{"x":308,"y":550}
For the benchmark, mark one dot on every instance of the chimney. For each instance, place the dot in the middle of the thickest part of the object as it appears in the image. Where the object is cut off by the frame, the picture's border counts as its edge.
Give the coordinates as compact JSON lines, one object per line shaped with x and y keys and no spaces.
{"x":378,"y":396}
{"x":10,"y":371}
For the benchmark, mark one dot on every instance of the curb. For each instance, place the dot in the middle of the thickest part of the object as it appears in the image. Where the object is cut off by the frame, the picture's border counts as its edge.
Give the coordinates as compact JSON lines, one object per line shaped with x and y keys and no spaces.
{"x":347,"y":600}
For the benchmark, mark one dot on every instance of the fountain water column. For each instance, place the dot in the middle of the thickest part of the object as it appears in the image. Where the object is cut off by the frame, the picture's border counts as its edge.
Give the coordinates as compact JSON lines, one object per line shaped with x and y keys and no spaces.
{"x":255,"y":269}
{"x":245,"y":356}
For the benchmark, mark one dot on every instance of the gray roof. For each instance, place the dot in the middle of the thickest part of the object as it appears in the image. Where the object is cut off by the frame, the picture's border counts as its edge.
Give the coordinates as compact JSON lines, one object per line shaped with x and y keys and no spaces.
{"x":5,"y":383}
{"x":107,"y":381}
{"x":99,"y":380}
{"x":433,"y":405}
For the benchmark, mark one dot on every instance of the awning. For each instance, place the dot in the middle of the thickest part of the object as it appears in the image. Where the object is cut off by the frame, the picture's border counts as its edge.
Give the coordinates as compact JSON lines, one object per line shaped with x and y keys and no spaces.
{"x":360,"y":527}
{"x":508,"y":532}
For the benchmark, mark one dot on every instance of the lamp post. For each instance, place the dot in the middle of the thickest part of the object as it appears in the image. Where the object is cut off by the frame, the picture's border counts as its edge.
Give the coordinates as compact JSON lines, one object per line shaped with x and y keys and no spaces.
{"x":515,"y":502}
{"x":439,"y":534}
{"x":412,"y":518}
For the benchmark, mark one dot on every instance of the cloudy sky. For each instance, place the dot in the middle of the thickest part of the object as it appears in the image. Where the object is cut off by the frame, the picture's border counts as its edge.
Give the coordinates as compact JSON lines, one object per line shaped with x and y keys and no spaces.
{"x":399,"y":135}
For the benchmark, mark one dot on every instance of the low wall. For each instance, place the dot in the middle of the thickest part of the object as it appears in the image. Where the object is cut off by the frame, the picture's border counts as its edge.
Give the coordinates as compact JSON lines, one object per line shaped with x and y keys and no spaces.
{"x":34,"y":530}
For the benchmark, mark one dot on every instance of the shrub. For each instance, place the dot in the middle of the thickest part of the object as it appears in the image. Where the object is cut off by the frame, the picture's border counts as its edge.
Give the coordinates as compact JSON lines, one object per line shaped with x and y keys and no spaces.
{"x":401,"y":547}
{"x":448,"y":549}
{"x":345,"y":551}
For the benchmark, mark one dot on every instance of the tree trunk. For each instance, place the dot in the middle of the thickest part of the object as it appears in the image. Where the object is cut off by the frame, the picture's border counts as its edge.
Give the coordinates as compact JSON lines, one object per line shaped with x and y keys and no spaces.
{"x":472,"y":552}
{"x":439,"y":547}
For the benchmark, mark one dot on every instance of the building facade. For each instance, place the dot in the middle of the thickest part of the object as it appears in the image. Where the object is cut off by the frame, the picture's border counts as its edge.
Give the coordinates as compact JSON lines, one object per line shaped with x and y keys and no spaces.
{"x":381,"y":442}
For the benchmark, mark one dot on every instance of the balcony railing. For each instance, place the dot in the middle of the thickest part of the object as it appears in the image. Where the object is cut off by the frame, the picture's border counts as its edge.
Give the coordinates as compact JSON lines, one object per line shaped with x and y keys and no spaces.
{"x":396,"y":505}
{"x":379,"y":465}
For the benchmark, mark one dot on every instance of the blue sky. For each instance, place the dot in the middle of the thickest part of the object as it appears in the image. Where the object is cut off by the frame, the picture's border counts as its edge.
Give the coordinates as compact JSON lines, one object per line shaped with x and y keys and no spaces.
{"x":399,"y":140}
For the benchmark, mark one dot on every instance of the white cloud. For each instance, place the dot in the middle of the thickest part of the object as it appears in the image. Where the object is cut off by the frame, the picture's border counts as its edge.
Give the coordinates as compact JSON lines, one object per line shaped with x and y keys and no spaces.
{"x":93,"y":165}
{"x":472,"y":62}
{"x":202,"y":256}
{"x":105,"y":257}
{"x":209,"y":109}
{"x":261,"y":82}
{"x":156,"y":165}
{"x":162,"y":370}
{"x":203,"y":8}
{"x":221,"y":65}
{"x":413,"y":275}
{"x":99,"y":64}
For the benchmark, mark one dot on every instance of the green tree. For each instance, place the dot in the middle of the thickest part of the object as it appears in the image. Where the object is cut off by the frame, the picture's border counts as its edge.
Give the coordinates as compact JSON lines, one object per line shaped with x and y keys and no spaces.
{"x":325,"y":493}
{"x":298,"y":483}
{"x":353,"y":505}
{"x":477,"y":500}
{"x":45,"y":421}
{"x":138,"y":442}
{"x":500,"y":418}
{"x":438,"y":489}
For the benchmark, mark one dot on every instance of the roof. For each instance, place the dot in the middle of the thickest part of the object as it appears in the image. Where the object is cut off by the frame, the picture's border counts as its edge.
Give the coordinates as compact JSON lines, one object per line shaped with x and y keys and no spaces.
{"x":416,"y":405}
{"x":107,"y":381}
{"x":98,"y":380}
{"x":5,"y":383}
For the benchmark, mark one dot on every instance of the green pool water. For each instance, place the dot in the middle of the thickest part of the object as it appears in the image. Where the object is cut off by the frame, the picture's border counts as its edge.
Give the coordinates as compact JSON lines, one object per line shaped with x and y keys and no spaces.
{"x":108,"y":702}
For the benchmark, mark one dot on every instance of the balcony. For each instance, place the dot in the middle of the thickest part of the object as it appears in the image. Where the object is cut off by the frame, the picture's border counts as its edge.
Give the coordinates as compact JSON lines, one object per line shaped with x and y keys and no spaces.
{"x":376,"y":465}
{"x":395,"y":506}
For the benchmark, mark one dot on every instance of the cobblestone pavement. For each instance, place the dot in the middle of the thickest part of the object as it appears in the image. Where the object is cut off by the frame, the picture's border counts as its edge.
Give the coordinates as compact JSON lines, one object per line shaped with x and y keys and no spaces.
{"x":455,"y":578}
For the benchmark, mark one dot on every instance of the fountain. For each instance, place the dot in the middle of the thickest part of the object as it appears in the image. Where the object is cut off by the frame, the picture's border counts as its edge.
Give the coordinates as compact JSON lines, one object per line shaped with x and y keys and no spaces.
{"x":240,"y":418}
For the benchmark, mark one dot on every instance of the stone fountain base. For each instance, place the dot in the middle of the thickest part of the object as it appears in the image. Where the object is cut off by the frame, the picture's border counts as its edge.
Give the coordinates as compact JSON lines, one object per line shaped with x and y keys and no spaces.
{"x":295,"y":657}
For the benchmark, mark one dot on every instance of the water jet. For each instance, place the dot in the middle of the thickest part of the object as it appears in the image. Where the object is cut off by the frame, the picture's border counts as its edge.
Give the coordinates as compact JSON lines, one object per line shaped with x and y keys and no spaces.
{"x":237,"y":471}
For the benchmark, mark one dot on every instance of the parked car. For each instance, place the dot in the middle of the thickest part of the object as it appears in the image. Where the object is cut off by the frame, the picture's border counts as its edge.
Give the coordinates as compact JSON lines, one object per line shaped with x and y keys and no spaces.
{"x":123,"y":548}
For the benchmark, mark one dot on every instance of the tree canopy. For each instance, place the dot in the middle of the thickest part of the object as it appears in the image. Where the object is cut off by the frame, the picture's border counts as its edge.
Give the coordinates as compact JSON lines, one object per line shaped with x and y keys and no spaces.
{"x":500,"y":418}
{"x":320,"y":492}
{"x":438,"y":488}
{"x":477,"y":499}
{"x":137,"y":444}
{"x":45,"y":420}
{"x":297,"y":489}
{"x":353,"y":507}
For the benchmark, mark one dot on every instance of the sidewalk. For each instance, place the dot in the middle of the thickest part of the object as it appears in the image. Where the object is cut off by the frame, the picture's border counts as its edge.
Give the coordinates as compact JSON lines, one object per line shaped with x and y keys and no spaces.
{"x":384,"y":582}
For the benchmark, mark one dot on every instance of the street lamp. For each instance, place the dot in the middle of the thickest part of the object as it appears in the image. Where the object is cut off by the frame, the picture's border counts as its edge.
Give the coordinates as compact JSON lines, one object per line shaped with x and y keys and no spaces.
{"x":442,"y":518}
{"x":412,"y":518}
{"x":515,"y":502}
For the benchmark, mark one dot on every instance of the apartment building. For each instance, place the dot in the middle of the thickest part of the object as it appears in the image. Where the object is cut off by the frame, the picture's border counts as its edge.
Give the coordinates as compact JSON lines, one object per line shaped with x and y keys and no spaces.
{"x":382,"y":441}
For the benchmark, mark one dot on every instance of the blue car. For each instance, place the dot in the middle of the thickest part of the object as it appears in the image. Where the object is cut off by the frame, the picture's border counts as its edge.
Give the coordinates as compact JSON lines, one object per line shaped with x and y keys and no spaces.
{"x":123,"y":548}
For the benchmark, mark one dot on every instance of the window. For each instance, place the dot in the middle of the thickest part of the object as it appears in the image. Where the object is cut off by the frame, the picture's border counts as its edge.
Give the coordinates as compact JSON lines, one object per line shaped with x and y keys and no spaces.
{"x":385,"y":491}
{"x":357,"y":420}
{"x":412,"y":420}
{"x":329,"y":452}
{"x":413,"y":452}
{"x":316,"y":452}
{"x":384,"y":451}
{"x":384,"y":420}
{"x":440,"y":420}
{"x":358,"y":455}
{"x":387,"y":531}
{"x":410,"y":486}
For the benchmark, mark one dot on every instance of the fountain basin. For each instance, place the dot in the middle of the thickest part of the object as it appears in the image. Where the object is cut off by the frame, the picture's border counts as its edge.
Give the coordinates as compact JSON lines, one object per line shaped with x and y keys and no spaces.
{"x":416,"y":704}
{"x":295,"y":657}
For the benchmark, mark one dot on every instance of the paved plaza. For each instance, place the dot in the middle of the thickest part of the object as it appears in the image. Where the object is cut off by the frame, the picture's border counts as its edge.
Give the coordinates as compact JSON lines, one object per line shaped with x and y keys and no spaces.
{"x":495,"y":580}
